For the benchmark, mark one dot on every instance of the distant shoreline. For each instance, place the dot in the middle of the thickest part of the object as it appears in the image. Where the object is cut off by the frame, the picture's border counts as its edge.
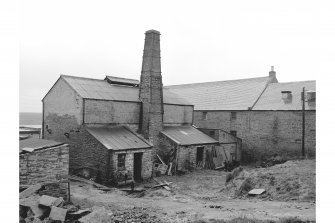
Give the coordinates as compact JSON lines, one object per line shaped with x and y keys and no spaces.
{"x":30,"y":118}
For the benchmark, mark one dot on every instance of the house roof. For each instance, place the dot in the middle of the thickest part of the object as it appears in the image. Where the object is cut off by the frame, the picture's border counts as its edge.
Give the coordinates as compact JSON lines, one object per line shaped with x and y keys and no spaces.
{"x":271,"y":99}
{"x":33,"y":144}
{"x":187,"y":135}
{"x":222,"y":95}
{"x":118,"y":138}
{"x":100,"y":89}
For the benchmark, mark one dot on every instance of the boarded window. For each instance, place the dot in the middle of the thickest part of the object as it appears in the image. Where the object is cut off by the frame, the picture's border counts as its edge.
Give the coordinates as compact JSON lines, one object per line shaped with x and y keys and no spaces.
{"x":121,"y":161}
{"x":233,"y":132}
{"x":204,"y":116}
{"x":233,"y":115}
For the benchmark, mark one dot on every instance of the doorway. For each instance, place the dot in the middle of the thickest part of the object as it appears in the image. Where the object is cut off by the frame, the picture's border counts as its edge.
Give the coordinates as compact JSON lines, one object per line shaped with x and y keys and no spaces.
{"x":138,"y":167}
{"x":200,"y":154}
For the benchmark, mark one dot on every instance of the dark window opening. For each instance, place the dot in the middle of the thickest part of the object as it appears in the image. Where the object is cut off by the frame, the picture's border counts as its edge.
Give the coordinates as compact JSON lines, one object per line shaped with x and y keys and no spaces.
{"x":121,"y":161}
{"x":233,"y":115}
{"x":200,"y":154}
{"x":212,"y":133}
{"x":233,"y":132}
{"x":204,"y":116}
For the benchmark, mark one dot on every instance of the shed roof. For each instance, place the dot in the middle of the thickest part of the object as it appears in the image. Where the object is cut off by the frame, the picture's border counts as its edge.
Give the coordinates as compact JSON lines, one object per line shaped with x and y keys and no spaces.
{"x":33,"y":144}
{"x":222,"y":95}
{"x":100,"y":89}
{"x":118,"y":138}
{"x":187,"y":135}
{"x":271,"y":99}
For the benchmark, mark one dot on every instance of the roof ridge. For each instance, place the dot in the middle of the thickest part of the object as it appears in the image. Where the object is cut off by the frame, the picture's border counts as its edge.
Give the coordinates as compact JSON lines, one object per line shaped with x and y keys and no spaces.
{"x":122,"y":78}
{"x":208,"y":82}
{"x":87,"y":78}
{"x":288,"y":82}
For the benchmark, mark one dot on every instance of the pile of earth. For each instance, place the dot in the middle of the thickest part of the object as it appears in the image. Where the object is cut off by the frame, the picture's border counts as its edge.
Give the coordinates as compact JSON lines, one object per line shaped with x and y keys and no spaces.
{"x":290,"y":181}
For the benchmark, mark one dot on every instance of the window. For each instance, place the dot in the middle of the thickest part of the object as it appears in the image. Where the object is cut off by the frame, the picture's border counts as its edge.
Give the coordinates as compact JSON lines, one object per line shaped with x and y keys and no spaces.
{"x":204,"y":116}
{"x":121,"y":161}
{"x":212,"y":133}
{"x":233,"y":115}
{"x":233,"y":132}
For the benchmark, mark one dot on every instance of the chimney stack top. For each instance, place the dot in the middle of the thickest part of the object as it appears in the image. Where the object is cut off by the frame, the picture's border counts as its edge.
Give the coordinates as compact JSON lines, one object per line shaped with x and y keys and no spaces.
{"x":272,"y":68}
{"x":152,"y":31}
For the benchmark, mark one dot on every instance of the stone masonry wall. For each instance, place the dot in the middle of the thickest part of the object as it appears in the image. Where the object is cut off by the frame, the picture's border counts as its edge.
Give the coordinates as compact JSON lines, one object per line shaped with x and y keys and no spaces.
{"x":178,"y":114}
{"x":265,"y":133}
{"x":129,"y":162}
{"x":187,"y":156}
{"x":46,"y":166}
{"x":107,"y":112}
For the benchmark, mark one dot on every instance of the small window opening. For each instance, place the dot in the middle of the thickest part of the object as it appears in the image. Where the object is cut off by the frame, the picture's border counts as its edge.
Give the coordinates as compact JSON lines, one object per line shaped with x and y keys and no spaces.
{"x":233,"y":115}
{"x":233,"y":132}
{"x":121,"y":161}
{"x":204,"y":115}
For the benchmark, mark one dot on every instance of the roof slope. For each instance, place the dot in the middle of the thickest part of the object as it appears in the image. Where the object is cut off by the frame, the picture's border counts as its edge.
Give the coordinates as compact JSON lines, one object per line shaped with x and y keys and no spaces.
{"x":271,"y":99}
{"x":101,"y":89}
{"x":222,"y":95}
{"x":37,"y":144}
{"x":187,"y":135}
{"x":118,"y":138}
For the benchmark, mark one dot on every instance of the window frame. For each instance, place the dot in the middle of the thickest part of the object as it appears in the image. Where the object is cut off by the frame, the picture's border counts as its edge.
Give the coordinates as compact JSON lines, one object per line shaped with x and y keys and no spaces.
{"x":121,"y":159}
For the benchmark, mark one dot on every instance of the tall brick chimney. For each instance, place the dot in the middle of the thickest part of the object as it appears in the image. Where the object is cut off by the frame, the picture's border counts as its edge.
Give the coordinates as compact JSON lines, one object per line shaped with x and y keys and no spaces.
{"x":151,"y":89}
{"x":272,"y":76}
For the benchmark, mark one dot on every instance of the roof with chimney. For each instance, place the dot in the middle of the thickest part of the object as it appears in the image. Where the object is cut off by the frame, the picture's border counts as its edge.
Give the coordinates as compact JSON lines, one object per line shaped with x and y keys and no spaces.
{"x":187,"y":135}
{"x":115,"y":89}
{"x":222,"y":95}
{"x":119,"y":138}
{"x":286,"y":96}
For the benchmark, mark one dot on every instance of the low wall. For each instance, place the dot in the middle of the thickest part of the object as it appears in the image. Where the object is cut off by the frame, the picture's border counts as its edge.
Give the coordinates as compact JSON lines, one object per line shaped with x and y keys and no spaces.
{"x":46,"y":166}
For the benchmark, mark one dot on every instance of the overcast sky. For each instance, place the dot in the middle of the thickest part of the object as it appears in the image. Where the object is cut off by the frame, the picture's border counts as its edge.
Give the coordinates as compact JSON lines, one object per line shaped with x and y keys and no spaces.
{"x":200,"y":41}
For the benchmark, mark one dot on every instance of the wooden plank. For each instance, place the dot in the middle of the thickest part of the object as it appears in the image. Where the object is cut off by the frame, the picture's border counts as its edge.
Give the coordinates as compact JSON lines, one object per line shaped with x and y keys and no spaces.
{"x":160,"y":159}
{"x":30,"y":190}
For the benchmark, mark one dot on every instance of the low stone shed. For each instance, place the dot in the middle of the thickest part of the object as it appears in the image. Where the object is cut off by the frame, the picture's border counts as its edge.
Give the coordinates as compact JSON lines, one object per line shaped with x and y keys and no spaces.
{"x":44,"y":162}
{"x":188,"y":143}
{"x":117,"y":153}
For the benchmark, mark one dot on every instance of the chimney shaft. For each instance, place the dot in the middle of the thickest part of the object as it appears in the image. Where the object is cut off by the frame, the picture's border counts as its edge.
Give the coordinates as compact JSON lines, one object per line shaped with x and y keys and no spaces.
{"x":151,"y":89}
{"x":272,"y":76}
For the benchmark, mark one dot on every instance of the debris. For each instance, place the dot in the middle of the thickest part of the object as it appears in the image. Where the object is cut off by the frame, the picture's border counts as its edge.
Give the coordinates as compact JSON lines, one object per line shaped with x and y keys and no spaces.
{"x":99,"y":186}
{"x":78,"y":214}
{"x":98,"y":216}
{"x":37,"y":211}
{"x":30,"y":190}
{"x":58,"y":213}
{"x":256,"y":191}
{"x":58,"y":202}
{"x":161,"y":160}
{"x":48,"y":201}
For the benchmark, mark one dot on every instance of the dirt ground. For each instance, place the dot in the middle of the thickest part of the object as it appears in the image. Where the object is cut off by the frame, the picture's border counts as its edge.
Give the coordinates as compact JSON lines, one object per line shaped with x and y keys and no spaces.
{"x":204,"y":195}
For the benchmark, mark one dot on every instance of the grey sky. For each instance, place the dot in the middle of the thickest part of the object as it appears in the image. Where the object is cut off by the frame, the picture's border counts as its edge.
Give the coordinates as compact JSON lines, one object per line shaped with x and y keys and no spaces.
{"x":200,"y":41}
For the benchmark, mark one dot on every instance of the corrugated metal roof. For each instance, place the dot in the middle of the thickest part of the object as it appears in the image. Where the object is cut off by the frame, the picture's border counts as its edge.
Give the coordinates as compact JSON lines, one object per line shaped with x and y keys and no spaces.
{"x":37,"y":144}
{"x":187,"y":135}
{"x":101,"y":89}
{"x":271,"y":99}
{"x":222,"y":95}
{"x":118,"y":138}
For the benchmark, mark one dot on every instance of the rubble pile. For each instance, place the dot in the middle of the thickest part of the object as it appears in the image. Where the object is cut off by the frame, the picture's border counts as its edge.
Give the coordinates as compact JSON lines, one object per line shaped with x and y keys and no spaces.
{"x":135,"y":214}
{"x":290,"y":181}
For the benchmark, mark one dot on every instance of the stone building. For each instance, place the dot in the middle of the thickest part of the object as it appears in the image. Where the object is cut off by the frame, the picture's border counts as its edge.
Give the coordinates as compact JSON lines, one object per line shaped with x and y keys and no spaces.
{"x":264,"y":114}
{"x":114,"y":125}
{"x":44,"y":162}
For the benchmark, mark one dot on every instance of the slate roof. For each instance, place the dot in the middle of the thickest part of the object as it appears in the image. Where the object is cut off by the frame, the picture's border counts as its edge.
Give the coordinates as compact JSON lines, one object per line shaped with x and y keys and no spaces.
{"x":100,"y":89}
{"x":33,"y":144}
{"x":271,"y":99}
{"x":187,"y":135}
{"x":222,"y":95}
{"x":119,"y":138}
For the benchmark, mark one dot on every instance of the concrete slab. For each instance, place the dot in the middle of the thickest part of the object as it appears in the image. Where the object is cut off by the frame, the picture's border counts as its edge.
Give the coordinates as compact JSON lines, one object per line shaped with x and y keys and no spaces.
{"x":58,"y":213}
{"x":256,"y":192}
